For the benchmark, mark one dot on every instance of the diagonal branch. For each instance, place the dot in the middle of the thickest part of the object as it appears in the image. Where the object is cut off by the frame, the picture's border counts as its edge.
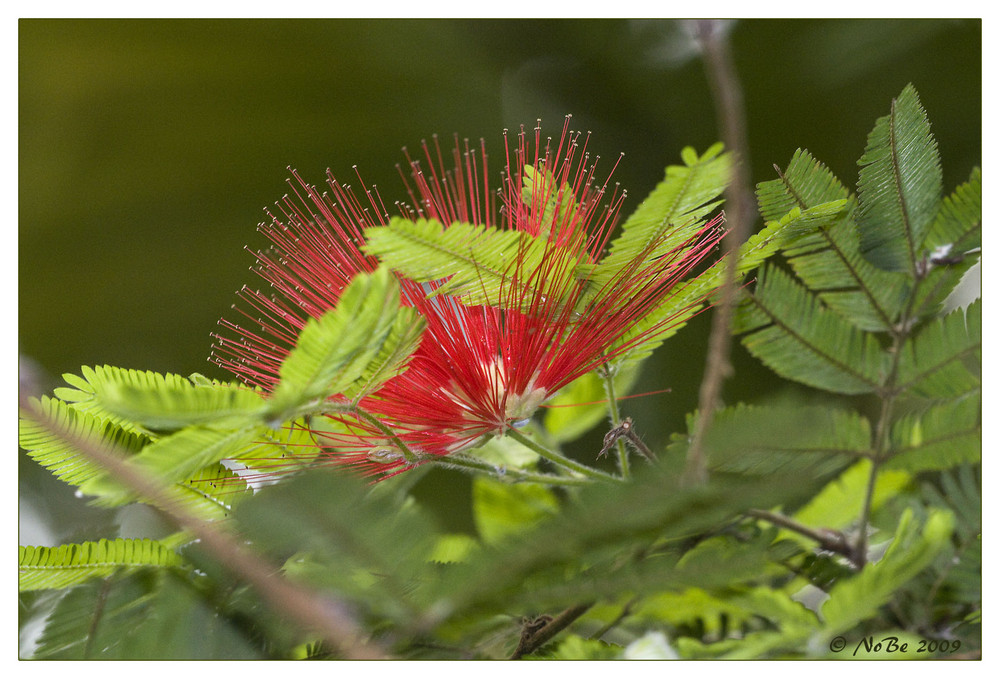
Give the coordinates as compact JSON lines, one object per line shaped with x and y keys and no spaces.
{"x":728,"y":97}
{"x":322,"y":614}
{"x":534,"y":636}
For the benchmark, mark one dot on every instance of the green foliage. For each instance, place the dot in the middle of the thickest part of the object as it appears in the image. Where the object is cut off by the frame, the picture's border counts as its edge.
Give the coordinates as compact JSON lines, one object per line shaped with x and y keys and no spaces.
{"x":369,"y":548}
{"x":671,"y":214}
{"x":899,"y":186}
{"x":68,"y":565}
{"x":843,"y":325}
{"x":350,"y":349}
{"x":913,"y":547}
{"x":475,"y":263}
{"x":859,"y":311}
{"x":574,"y":647}
{"x":166,"y":408}
{"x":503,"y":509}
{"x":91,"y":391}
{"x":211,"y":493}
{"x":55,"y":444}
{"x":758,"y":440}
{"x":851,"y":509}
{"x":839,"y":504}
{"x":176,"y":458}
{"x":806,"y":342}
{"x":851,"y":601}
{"x":944,"y":359}
{"x":689,"y":298}
{"x":143,"y":616}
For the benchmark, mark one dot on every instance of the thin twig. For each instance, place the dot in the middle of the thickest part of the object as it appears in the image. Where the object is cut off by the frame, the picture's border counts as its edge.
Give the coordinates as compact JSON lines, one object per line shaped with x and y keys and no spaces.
{"x":560,"y":460}
{"x":534,"y":636}
{"x":625,"y":612}
{"x":830,"y":540}
{"x":320,"y":613}
{"x":465,"y":462}
{"x":616,"y":422}
{"x":728,"y":98}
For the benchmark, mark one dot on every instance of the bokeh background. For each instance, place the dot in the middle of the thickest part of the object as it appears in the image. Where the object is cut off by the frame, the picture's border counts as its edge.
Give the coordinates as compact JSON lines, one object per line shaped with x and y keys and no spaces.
{"x":148,"y":150}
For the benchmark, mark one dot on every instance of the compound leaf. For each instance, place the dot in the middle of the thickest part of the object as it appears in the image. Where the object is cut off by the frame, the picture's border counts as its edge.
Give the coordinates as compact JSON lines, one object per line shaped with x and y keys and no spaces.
{"x":71,"y":564}
{"x":899,"y":186}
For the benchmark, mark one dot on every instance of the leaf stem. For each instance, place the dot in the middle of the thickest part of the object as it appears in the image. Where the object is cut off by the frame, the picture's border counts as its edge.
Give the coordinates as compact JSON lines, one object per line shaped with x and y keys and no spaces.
{"x":881,"y":440}
{"x":616,"y":420}
{"x":560,"y":460}
{"x":354,"y":409}
{"x":520,"y":475}
{"x":408,"y":454}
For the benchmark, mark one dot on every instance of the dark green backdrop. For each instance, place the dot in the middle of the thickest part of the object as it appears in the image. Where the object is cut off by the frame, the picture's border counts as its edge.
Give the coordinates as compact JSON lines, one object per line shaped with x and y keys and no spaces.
{"x":149,"y":148}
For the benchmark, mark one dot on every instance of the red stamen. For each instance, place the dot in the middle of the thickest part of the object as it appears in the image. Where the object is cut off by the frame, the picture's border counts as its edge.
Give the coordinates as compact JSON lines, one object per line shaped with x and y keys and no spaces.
{"x":478,"y":370}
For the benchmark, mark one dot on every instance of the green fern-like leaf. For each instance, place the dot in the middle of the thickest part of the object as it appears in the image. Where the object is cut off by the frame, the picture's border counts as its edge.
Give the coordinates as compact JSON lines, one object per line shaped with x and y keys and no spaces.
{"x":804,"y":184}
{"x":69,"y":565}
{"x":828,"y":260}
{"x":961,"y":492}
{"x":142,"y":615}
{"x":607,"y":523}
{"x":281,"y":451}
{"x":690,"y":297}
{"x":393,"y":355}
{"x":952,"y":246}
{"x":944,"y":359}
{"x":182,"y":404}
{"x":946,"y":435}
{"x":899,"y":186}
{"x":803,"y":341}
{"x":758,"y":440}
{"x":177,"y":458}
{"x":364,"y":545}
{"x":47,"y":445}
{"x":91,"y":620}
{"x":795,"y":630}
{"x":477,"y":264}
{"x":211,"y":493}
{"x":88,"y":390}
{"x":348,"y":347}
{"x":959,"y":221}
{"x":672,"y":213}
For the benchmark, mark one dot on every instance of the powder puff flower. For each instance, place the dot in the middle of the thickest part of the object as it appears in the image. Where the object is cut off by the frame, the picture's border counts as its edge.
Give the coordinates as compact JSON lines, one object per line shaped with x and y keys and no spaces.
{"x":525,"y":310}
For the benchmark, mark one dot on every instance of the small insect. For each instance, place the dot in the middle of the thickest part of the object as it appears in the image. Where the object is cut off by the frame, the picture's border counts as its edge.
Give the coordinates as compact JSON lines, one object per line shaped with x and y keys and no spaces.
{"x":625,"y":431}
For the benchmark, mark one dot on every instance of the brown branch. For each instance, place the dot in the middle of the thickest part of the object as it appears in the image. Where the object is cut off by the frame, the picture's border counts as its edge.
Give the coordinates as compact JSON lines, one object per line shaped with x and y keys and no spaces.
{"x":536,"y":633}
{"x":312,"y":611}
{"x":830,"y":540}
{"x":728,"y":98}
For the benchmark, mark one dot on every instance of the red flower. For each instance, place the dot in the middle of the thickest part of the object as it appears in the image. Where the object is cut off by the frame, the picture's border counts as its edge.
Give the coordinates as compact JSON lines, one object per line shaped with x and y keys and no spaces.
{"x":479,"y":369}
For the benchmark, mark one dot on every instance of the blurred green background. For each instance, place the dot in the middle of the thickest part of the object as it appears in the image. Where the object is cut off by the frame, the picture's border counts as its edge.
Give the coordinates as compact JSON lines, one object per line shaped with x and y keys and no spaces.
{"x":149,"y":148}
